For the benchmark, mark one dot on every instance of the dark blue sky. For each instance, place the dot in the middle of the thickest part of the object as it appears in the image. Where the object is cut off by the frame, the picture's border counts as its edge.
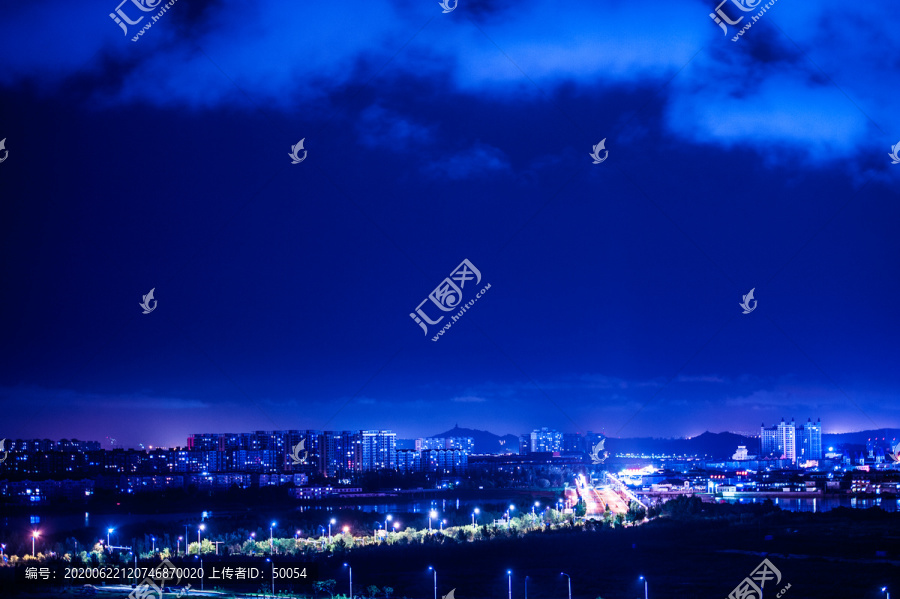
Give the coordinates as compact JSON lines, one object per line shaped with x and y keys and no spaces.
{"x":284,"y":290}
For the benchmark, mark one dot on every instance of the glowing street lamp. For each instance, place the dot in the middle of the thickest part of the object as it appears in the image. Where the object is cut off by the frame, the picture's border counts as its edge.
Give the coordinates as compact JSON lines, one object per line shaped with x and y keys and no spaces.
{"x":296,"y":535}
{"x":570,"y":583}
{"x":387,"y":519}
{"x":509,"y":515}
{"x":346,"y":529}
{"x":645,"y":586}
{"x":435,"y":580}
{"x":153,"y":539}
{"x":333,"y":521}
{"x":34,"y":535}
{"x":108,"y":532}
{"x":178,"y":545}
{"x":509,"y":573}
{"x":199,"y":545}
{"x":444,"y":521}
{"x":271,"y":539}
{"x":351,"y":579}
{"x":431,"y":514}
{"x":475,"y":511}
{"x":885,"y":590}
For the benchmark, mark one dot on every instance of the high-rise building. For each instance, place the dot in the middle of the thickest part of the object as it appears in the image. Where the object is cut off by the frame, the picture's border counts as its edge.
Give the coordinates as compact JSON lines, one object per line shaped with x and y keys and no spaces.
{"x":466,"y":444}
{"x":444,"y":461}
{"x":573,"y":442}
{"x":338,"y":453}
{"x":376,"y":450}
{"x":546,"y":440}
{"x":809,"y":440}
{"x":312,"y":450}
{"x":791,"y":442}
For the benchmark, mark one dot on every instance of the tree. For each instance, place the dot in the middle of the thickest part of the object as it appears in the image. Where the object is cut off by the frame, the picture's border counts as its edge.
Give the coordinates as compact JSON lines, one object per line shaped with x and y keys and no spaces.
{"x":325,"y":586}
{"x":388,"y":591}
{"x":580,"y":508}
{"x":372,"y":590}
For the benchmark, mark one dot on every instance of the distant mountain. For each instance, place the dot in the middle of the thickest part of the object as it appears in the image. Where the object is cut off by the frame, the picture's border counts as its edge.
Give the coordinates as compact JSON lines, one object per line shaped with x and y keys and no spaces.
{"x":485,"y":442}
{"x":882,"y":435}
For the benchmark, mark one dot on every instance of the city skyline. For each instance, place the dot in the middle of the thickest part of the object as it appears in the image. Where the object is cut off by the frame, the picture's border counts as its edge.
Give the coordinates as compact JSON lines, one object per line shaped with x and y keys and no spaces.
{"x":107,"y":442}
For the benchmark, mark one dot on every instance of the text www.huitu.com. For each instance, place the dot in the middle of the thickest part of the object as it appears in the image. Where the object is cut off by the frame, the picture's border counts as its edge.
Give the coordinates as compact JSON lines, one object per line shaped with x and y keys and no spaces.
{"x":154,"y":19}
{"x":459,"y":314}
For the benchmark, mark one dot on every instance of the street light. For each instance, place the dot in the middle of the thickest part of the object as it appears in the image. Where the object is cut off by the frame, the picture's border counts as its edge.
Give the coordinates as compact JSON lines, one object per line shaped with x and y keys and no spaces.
{"x":435,"y":580}
{"x":475,"y":511}
{"x":34,"y":535}
{"x":444,"y":521}
{"x":199,"y":545}
{"x":645,"y":587}
{"x":108,"y":531}
{"x":351,"y":579}
{"x":387,"y":519}
{"x":178,"y":546}
{"x":509,"y":573}
{"x":271,"y":539}
{"x":431,"y":514}
{"x":570,"y":583}
{"x":509,"y":515}
{"x":329,"y":528}
{"x":296,"y":535}
{"x":526,"y":587}
{"x":153,"y":539}
{"x":536,"y":504}
{"x":884,"y":590}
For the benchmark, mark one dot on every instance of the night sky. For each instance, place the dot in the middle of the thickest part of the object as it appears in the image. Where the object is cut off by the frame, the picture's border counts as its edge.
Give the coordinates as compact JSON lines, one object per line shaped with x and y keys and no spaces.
{"x":285,"y":290}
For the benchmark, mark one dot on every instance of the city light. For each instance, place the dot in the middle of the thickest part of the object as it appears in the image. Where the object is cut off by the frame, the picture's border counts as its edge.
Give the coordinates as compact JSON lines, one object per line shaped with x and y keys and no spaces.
{"x":431,"y":514}
{"x":34,"y":535}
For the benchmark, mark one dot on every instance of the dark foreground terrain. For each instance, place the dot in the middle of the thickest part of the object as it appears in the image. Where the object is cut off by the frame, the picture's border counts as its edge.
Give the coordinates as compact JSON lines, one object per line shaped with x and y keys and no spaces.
{"x":692,"y":551}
